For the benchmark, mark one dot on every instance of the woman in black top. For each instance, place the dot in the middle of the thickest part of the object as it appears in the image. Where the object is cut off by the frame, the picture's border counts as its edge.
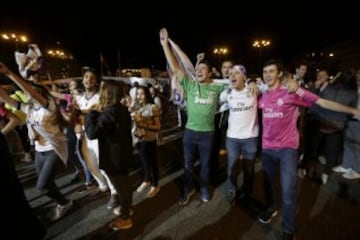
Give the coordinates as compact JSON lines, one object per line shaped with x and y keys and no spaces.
{"x":110,"y":123}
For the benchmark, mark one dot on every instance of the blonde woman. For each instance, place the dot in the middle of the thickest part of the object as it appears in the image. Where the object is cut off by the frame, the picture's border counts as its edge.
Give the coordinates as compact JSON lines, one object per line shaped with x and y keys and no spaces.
{"x":110,"y":123}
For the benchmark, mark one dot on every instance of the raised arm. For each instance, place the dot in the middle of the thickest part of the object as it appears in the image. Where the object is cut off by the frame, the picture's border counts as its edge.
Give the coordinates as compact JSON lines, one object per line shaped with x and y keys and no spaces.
{"x":11,"y":124}
{"x":173,"y":64}
{"x":54,"y":91}
{"x":337,"y":107}
{"x":199,"y":58}
{"x":57,"y":95}
{"x":23,"y":85}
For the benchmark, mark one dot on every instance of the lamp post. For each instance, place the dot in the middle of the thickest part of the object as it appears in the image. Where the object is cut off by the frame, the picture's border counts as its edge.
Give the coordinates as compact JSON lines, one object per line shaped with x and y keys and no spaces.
{"x":260,"y":44}
{"x":15,"y":38}
{"x":220,"y":52}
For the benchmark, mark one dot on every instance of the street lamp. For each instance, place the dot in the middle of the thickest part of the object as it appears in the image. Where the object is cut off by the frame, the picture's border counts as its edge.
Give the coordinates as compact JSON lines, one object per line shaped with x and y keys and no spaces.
{"x":220,"y":52}
{"x":59,"y":53}
{"x":15,"y":38}
{"x":56,"y":53}
{"x":260,"y":44}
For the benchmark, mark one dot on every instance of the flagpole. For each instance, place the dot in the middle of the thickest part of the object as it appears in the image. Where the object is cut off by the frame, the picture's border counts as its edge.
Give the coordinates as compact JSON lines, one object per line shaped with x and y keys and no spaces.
{"x":101,"y":65}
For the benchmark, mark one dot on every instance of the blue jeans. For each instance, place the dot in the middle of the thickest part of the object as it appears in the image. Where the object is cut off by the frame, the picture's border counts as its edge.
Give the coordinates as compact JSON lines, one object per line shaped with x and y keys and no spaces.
{"x":287,"y":159}
{"x":46,"y":165}
{"x":88,"y":176}
{"x":197,"y":144}
{"x":247,"y":148}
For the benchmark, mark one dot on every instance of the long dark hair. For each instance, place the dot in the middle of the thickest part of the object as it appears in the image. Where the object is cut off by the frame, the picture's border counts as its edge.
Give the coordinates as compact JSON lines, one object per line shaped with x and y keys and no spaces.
{"x":148,"y":97}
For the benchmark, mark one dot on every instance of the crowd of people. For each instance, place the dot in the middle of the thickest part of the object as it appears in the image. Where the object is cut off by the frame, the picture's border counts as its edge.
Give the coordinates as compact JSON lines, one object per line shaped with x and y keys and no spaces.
{"x":282,"y":118}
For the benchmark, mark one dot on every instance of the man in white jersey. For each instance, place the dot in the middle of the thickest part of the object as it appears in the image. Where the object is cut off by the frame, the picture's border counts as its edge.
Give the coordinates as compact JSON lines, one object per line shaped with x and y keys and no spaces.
{"x":242,"y":132}
{"x":90,"y":148}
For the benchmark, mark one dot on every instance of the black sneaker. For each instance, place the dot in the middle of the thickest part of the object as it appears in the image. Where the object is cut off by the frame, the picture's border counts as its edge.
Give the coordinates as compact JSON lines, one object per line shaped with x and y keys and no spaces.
{"x":265,"y":216}
{"x":183,"y":200}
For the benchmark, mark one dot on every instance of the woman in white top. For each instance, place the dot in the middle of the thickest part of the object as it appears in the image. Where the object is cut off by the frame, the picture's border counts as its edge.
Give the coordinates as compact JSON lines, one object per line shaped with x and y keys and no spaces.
{"x":43,"y":122}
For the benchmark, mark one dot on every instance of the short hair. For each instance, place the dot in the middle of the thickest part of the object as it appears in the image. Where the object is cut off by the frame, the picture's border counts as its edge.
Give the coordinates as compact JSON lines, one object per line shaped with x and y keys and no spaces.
{"x":207,"y":63}
{"x":285,"y":76}
{"x":240,"y":68}
{"x":278,"y":63}
{"x":93,"y":71}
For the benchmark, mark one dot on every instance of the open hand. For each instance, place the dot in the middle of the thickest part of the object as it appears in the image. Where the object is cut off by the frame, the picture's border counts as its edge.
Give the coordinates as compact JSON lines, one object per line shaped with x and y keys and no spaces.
{"x":164,"y":36}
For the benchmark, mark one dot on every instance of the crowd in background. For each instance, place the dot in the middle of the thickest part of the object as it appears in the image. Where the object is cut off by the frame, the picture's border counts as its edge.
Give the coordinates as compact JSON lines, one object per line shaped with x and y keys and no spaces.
{"x":284,"y":118}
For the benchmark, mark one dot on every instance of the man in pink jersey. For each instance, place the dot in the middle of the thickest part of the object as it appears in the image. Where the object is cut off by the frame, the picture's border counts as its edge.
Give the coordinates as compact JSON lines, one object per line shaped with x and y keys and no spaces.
{"x":280,"y":140}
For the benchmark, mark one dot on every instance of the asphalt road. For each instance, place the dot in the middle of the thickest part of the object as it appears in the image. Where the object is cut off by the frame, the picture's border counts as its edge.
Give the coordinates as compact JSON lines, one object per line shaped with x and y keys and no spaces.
{"x":328,"y":211}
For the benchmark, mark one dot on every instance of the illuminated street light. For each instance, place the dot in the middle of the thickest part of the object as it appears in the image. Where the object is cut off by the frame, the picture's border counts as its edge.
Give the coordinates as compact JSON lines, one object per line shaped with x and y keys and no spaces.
{"x":15,"y":38}
{"x":220,"y":52}
{"x":59,"y":62}
{"x":59,"y":53}
{"x":260,"y":44}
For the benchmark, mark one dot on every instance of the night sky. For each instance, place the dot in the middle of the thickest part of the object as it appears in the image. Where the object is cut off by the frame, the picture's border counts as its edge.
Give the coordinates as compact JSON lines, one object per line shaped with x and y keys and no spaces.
{"x":132,"y":33}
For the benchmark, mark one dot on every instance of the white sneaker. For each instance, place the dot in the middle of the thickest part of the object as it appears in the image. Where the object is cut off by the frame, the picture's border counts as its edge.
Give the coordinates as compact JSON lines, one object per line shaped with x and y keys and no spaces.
{"x":301,"y":172}
{"x":351,"y":175}
{"x":153,"y":191}
{"x":61,"y":210}
{"x":103,"y":187}
{"x":324,"y":178}
{"x":341,"y":169}
{"x":113,"y":202}
{"x":117,"y":211}
{"x":27,"y":157}
{"x":143,"y":186}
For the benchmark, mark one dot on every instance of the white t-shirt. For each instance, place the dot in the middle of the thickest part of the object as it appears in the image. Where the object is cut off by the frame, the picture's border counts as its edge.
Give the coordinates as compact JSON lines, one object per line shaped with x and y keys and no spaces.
{"x":85,"y":103}
{"x":132,"y":93}
{"x":41,"y":123}
{"x":243,"y":108}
